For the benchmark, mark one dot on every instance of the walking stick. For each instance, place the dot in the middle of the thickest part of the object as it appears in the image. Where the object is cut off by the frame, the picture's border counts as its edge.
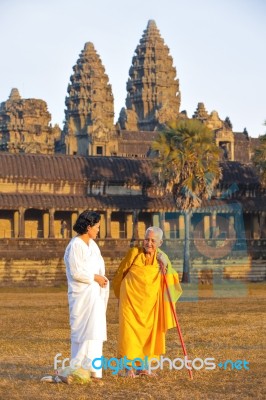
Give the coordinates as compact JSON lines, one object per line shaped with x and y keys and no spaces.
{"x":175,"y":316}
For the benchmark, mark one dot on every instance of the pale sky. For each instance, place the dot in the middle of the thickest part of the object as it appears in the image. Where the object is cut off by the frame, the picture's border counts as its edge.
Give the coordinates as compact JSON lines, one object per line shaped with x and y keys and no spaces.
{"x":218,"y":49}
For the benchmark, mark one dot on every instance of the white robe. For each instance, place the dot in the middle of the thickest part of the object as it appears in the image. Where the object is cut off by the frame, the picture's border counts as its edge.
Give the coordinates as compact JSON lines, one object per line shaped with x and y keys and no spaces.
{"x":87,"y":300}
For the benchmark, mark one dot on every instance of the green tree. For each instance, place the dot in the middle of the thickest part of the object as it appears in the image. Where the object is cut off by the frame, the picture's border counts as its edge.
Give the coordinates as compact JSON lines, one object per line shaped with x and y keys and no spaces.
{"x":186,"y":160}
{"x":259,"y":159}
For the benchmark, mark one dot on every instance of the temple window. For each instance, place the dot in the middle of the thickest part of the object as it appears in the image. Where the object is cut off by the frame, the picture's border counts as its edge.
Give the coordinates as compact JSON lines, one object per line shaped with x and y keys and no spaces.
{"x":99,"y":150}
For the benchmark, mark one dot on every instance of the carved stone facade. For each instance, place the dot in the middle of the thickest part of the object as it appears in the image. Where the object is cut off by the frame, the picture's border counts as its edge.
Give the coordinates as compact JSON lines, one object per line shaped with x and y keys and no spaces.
{"x":244,"y":146}
{"x":201,"y":113}
{"x":25,"y":126}
{"x":89,"y":114}
{"x":224,"y":135}
{"x":153,"y":95}
{"x":38,"y":192}
{"x":153,"y":99}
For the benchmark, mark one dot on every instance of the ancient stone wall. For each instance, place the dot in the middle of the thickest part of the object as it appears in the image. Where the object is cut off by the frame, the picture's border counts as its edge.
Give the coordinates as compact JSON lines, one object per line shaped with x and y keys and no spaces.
{"x":40,"y":262}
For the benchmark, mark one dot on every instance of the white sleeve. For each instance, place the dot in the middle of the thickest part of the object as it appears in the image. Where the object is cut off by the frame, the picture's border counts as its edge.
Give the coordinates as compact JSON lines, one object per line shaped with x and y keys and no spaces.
{"x":78,"y":269}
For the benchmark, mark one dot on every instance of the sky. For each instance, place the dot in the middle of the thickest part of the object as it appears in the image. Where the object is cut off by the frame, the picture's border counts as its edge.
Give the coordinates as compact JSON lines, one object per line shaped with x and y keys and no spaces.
{"x":218,"y":50}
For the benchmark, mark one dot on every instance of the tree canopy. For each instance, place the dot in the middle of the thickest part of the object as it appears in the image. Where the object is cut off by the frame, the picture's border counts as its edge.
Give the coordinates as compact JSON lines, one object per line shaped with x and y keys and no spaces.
{"x":186,"y":159}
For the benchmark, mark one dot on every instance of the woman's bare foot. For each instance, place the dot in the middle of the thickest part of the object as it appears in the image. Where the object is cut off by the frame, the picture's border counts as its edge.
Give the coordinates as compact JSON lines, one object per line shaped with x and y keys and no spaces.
{"x":97,"y":381}
{"x":130,"y":373}
{"x":145,"y":372}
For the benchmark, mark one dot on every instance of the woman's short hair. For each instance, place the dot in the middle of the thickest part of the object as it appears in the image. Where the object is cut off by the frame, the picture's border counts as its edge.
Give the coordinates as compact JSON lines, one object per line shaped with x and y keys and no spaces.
{"x":157,"y":232}
{"x":85,"y":219}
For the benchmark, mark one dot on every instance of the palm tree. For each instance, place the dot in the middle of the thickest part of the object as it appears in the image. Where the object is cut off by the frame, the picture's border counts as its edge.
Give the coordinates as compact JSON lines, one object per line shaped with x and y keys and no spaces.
{"x":186,"y":160}
{"x":259,"y":159}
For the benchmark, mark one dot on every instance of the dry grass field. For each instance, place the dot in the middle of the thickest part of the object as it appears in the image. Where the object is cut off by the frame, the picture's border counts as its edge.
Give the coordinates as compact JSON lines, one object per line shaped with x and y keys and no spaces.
{"x":34,"y":328}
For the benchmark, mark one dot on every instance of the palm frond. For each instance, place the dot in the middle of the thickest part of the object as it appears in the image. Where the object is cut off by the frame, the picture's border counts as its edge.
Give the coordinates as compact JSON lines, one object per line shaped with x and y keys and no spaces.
{"x":188,"y":160}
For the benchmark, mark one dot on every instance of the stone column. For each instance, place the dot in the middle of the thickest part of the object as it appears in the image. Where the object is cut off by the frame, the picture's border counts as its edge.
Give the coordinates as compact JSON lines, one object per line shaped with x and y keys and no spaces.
{"x":255,"y":227}
{"x":206,"y":226}
{"x":213,"y":225}
{"x":108,"y":216}
{"x":232,"y":151}
{"x":156,"y":219}
{"x":16,"y":224}
{"x":240,"y":228}
{"x":45,"y":225}
{"x":129,"y":226}
{"x":102,"y":233}
{"x":181,"y":226}
{"x":135,"y":224}
{"x":162,"y":220}
{"x":263,"y":224}
{"x":21,"y":229}
{"x":73,"y":219}
{"x":231,"y":227}
{"x":51,"y":222}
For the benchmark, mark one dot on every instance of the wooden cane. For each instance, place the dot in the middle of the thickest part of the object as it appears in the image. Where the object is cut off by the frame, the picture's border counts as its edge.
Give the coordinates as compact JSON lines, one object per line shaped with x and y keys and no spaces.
{"x":175,"y":316}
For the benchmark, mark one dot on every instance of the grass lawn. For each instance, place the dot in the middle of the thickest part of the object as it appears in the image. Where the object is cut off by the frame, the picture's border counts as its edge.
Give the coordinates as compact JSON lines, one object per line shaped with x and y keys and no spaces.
{"x":222,"y":325}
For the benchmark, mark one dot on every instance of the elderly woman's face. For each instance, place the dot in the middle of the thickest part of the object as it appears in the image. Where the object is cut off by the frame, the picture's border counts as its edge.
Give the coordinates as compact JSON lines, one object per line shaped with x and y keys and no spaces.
{"x":151,"y":242}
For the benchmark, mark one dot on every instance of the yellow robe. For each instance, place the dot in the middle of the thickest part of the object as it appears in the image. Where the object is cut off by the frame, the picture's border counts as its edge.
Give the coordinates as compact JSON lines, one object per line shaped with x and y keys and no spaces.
{"x":144,"y":309}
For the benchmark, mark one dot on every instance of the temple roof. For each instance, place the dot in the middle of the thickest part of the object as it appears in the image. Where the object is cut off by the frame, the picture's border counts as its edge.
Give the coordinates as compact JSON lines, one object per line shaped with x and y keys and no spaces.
{"x":11,"y":201}
{"x":72,"y":202}
{"x":50,"y":168}
{"x":237,"y":173}
{"x":36,"y":168}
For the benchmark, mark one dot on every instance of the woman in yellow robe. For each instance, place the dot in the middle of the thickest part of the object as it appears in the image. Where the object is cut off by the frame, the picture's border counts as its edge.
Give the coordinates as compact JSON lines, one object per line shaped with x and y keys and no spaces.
{"x":144,"y":308}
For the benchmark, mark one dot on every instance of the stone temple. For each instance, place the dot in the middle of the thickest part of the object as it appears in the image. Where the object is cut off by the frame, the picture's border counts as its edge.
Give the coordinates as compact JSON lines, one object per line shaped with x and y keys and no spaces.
{"x":48,"y":175}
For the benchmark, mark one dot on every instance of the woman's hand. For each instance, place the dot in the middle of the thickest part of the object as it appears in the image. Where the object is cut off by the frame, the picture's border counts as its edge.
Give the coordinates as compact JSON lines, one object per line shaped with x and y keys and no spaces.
{"x":162,"y":259}
{"x":101,"y":280}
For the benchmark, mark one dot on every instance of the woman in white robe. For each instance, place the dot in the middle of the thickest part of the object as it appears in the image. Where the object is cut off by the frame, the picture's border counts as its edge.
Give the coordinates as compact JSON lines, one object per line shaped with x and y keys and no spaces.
{"x":88,"y":292}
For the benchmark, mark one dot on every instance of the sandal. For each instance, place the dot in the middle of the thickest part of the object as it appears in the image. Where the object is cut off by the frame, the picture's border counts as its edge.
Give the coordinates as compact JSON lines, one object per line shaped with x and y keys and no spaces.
{"x":57,"y":379}
{"x":48,"y":379}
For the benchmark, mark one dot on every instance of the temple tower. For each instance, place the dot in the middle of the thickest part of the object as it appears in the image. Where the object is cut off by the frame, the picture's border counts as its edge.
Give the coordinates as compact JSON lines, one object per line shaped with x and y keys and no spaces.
{"x":153,"y":96}
{"x":25,"y":126}
{"x":90,"y":107}
{"x":201,"y":113}
{"x":224,"y":136}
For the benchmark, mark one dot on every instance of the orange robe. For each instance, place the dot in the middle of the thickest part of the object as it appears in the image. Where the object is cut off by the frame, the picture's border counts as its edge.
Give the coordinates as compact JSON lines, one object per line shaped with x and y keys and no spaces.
{"x":144,"y":309}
